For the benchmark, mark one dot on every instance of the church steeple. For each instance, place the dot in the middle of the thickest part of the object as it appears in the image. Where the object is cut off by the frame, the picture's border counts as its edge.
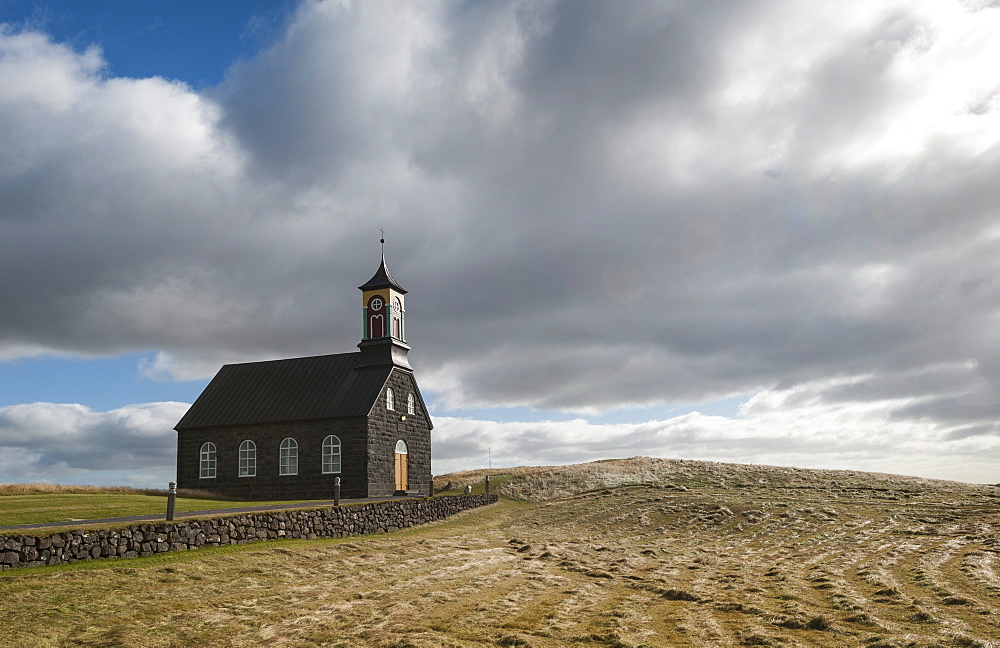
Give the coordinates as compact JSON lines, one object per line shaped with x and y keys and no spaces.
{"x":382,"y":279}
{"x":383,"y":339}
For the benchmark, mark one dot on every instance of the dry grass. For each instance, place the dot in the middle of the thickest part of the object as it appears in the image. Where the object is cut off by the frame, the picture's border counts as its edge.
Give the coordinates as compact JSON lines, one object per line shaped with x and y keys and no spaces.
{"x":58,"y":489}
{"x":703,"y":555}
{"x":70,"y":504}
{"x":61,"y":489}
{"x":541,"y":483}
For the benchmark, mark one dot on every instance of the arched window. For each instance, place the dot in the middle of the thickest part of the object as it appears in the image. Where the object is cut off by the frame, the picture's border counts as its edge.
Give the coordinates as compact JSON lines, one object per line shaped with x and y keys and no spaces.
{"x":331,"y":455}
{"x":376,"y":318}
{"x":409,"y":404}
{"x":288,"y":457}
{"x":390,"y":399}
{"x":397,"y":318}
{"x":207,"y":456}
{"x":248,"y":459}
{"x":401,"y":447}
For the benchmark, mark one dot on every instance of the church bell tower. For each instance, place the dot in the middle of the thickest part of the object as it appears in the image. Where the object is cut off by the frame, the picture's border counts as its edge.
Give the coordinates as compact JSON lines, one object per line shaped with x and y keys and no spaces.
{"x":383,"y":340}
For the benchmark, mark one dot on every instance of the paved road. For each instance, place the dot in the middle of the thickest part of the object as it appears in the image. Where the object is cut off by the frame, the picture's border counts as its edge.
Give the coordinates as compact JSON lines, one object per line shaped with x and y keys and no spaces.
{"x":160,"y":517}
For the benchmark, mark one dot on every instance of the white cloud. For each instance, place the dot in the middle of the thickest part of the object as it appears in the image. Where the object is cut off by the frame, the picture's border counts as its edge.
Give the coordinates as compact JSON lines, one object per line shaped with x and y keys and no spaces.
{"x":70,"y":443}
{"x":793,"y":427}
{"x":47,"y":75}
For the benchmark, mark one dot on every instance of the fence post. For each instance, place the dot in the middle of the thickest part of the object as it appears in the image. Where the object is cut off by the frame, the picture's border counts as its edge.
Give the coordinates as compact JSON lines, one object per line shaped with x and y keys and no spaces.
{"x":171,"y":500}
{"x":336,"y":491}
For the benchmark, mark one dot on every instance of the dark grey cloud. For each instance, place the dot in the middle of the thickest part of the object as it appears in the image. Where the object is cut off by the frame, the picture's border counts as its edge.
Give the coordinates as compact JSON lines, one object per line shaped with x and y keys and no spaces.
{"x":593,"y":205}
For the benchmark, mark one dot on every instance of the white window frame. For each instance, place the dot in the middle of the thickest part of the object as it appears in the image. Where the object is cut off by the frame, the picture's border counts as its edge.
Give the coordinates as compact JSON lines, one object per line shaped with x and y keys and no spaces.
{"x":390,"y":399}
{"x":288,"y":457}
{"x":248,"y":459}
{"x":410,"y":408}
{"x":207,"y":461}
{"x":397,"y":318}
{"x":332,"y":458}
{"x":371,"y":326}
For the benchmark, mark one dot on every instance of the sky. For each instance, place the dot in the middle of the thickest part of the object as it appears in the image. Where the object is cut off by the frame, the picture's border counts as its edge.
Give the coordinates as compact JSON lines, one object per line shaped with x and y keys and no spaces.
{"x":763,"y":232}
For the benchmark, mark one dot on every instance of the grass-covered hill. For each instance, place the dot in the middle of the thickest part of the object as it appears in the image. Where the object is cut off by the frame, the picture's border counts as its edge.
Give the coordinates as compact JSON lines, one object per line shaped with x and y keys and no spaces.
{"x":624,"y":553}
{"x":539,"y":483}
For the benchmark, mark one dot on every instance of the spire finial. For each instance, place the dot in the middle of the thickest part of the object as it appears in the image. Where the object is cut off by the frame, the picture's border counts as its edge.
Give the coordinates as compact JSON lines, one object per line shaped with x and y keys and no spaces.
{"x":382,"y":240}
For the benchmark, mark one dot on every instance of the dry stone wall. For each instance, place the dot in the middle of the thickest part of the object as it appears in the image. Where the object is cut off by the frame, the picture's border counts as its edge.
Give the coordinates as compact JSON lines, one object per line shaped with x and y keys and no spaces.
{"x":183,"y":535}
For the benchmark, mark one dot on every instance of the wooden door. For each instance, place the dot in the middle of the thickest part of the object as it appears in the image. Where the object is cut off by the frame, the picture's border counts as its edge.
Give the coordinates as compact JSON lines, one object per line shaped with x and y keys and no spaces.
{"x":402,"y":476}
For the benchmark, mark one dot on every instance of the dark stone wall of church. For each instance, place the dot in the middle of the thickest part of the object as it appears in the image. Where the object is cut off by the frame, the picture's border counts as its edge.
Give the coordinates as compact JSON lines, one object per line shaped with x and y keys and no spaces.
{"x":386,"y":428}
{"x":309,"y":483}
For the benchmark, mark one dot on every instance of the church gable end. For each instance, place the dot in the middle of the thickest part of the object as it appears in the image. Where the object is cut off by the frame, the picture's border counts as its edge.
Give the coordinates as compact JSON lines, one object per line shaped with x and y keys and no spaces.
{"x":386,"y":427}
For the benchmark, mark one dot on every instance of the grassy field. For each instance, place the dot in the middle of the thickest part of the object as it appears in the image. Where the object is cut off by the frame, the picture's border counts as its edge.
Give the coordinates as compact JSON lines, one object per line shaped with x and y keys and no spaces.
{"x":625,"y":553}
{"x":33,"y":504}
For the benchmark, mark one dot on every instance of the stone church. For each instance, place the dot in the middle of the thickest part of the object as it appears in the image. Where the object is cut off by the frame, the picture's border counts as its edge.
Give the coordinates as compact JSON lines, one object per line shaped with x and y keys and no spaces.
{"x":286,"y":429}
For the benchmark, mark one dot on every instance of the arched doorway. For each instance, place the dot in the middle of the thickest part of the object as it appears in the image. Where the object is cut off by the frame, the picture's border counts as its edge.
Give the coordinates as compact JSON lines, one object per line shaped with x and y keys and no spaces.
{"x":402,"y":468}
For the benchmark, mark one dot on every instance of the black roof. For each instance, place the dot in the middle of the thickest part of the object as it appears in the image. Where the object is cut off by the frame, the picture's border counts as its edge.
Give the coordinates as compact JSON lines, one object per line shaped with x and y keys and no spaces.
{"x":298,"y":389}
{"x":382,"y":279}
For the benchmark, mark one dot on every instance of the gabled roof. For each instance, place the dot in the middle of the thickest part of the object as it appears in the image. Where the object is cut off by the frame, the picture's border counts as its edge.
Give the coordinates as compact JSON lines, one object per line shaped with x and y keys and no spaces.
{"x":382,"y":279}
{"x":298,"y":389}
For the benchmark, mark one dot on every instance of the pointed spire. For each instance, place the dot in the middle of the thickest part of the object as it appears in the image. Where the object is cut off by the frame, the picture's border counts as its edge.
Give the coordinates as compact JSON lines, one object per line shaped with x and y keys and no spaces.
{"x":382,"y":278}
